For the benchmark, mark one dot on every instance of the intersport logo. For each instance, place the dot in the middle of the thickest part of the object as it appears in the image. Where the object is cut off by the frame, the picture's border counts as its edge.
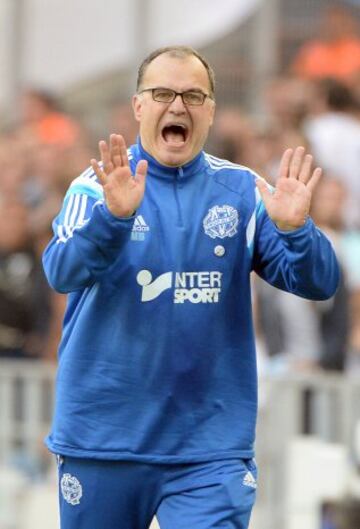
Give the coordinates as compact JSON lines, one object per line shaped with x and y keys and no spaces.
{"x":192,"y":287}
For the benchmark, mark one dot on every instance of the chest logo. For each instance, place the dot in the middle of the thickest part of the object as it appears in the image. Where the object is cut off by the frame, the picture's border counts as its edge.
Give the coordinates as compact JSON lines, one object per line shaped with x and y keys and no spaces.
{"x":140,"y":228}
{"x":193,"y":287}
{"x":221,"y":221}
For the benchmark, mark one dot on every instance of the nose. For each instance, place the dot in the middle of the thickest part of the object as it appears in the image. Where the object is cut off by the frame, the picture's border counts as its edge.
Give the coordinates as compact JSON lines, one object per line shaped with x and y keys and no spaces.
{"x":177,"y":106}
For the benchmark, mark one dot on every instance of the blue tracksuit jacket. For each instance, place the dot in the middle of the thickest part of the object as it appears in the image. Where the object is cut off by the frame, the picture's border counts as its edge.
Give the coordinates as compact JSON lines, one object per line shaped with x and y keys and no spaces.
{"x":157,"y":359}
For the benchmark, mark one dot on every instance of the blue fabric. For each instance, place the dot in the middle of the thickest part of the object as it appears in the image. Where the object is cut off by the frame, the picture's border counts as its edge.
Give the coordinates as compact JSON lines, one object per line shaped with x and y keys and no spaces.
{"x":157,"y":359}
{"x":111,"y":494}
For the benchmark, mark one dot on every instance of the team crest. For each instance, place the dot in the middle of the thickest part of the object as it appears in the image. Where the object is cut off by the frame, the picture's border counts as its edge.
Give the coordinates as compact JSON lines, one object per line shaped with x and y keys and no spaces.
{"x":221,"y":221}
{"x":71,"y":489}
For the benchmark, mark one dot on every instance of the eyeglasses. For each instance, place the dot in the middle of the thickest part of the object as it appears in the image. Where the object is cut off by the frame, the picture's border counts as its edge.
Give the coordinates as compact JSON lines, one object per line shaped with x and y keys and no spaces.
{"x":166,"y":95}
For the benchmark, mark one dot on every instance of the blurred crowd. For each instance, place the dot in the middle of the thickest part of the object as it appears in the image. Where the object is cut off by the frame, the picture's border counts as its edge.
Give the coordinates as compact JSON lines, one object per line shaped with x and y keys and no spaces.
{"x":39,"y":156}
{"x":315,"y":102}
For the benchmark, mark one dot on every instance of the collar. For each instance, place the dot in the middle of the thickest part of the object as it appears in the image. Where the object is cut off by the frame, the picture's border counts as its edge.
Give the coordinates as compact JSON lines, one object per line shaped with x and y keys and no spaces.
{"x":158,"y":170}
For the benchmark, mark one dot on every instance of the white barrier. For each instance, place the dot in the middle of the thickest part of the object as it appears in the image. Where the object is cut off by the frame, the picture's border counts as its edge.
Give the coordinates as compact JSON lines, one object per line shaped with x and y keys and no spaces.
{"x":319,"y":405}
{"x":322,"y":406}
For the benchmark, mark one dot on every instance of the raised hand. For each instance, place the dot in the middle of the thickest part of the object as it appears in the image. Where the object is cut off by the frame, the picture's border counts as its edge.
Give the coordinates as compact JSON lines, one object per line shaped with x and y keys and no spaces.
{"x":123,"y":192}
{"x":289,"y":204}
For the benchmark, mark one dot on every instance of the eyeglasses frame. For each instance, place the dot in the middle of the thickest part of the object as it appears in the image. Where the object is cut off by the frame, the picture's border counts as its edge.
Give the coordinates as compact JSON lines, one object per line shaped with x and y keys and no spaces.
{"x":181,"y":94}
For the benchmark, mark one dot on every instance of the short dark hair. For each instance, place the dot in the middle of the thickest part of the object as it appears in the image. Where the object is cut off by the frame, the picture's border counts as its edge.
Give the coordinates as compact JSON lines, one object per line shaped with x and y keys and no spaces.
{"x":338,"y":96}
{"x":178,"y":52}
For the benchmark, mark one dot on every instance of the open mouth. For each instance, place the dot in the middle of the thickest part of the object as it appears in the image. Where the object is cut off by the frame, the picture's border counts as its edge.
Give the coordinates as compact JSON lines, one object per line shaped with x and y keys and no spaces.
{"x":175,"y":134}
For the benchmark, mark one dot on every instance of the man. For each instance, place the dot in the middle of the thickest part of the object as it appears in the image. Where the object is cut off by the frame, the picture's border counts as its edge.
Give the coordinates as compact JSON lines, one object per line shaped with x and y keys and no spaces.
{"x":335,"y":49}
{"x":156,"y":391}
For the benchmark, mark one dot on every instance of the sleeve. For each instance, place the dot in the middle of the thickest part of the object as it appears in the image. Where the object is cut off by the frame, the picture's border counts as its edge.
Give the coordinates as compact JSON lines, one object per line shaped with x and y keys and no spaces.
{"x":87,"y":238}
{"x":301,"y":261}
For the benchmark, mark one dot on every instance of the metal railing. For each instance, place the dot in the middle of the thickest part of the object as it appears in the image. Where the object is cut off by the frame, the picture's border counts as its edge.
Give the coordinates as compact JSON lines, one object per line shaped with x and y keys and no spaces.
{"x":26,"y":402}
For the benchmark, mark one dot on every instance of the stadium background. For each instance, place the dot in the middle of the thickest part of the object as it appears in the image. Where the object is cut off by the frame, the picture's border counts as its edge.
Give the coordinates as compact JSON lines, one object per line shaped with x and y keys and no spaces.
{"x":68,"y":71}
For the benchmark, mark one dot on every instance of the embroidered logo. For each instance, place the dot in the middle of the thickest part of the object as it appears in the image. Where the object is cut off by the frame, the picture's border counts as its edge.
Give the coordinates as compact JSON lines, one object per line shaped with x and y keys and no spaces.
{"x":193,"y":287}
{"x":139,"y":229}
{"x":249,"y":480}
{"x":71,"y":489}
{"x":221,"y":221}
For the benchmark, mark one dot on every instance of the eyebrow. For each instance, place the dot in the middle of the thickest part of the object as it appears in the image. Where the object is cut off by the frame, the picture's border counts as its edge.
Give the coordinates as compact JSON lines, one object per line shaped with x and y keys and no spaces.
{"x":182,"y":91}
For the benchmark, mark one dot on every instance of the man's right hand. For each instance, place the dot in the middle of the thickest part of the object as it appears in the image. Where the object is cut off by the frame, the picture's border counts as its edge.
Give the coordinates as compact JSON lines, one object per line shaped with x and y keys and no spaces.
{"x":123,"y":192}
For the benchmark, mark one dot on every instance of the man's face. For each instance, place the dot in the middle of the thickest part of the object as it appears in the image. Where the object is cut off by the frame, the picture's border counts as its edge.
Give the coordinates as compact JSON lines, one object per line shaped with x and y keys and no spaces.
{"x":174,"y":133}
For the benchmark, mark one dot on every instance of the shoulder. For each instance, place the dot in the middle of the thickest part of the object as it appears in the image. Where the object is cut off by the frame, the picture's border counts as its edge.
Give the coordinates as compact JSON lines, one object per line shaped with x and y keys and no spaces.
{"x":236,"y":177}
{"x":86,"y":184}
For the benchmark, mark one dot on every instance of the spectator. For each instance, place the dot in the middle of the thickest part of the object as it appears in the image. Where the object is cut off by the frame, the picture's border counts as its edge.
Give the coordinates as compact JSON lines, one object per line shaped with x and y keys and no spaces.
{"x":348,"y":514}
{"x":287,"y":99}
{"x":42,"y":116}
{"x":319,"y":335}
{"x":39,"y":158}
{"x":290,"y":343}
{"x":354,"y":357}
{"x":16,"y":268}
{"x":13,"y":167}
{"x":342,"y":321}
{"x":333,"y":131}
{"x":329,"y":210}
{"x":122,"y":119}
{"x":335,"y":52}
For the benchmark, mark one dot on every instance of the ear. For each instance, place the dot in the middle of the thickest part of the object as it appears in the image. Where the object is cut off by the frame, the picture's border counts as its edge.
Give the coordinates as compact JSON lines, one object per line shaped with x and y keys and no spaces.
{"x":212,"y":113}
{"x":137,"y":106}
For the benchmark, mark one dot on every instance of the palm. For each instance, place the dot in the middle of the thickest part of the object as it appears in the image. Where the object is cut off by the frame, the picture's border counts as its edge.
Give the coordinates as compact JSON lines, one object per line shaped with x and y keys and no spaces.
{"x":289,"y":204}
{"x":123,"y":191}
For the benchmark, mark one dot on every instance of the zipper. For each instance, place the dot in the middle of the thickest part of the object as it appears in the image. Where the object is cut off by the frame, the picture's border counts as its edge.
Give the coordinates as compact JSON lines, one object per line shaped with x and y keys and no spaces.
{"x":179,"y":174}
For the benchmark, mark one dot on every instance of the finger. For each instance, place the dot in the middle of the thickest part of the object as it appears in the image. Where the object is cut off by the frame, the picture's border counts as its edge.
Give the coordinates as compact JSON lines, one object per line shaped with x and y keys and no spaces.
{"x":285,"y":163}
{"x":263,"y":189}
{"x":141,"y":172}
{"x":98,"y":171}
{"x":108,"y":166}
{"x":296,"y":162}
{"x":123,"y":150}
{"x":314,"y":180}
{"x":305,"y":171}
{"x":115,"y":151}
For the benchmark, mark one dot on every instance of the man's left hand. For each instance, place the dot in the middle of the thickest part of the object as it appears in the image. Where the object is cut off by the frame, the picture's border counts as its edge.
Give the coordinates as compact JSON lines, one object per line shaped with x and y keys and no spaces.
{"x":289,"y":204}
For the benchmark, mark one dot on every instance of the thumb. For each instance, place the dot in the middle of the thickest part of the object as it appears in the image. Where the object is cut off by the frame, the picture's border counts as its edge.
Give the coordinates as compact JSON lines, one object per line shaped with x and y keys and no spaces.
{"x":263,"y":189}
{"x":141,"y":172}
